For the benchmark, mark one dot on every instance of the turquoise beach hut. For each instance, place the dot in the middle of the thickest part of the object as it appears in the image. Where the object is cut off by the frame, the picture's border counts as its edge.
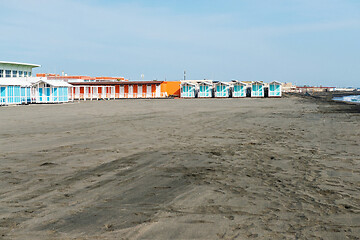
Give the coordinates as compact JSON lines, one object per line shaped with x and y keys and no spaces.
{"x":222,"y":89}
{"x":188,"y":89}
{"x":238,"y":89}
{"x":274,"y":89}
{"x":205,"y":89}
{"x":257,"y":89}
{"x":51,"y":91}
{"x":14,"y":91}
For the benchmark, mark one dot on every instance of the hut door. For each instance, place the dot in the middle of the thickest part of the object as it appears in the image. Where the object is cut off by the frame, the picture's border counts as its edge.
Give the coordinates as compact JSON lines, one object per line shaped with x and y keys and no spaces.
{"x":148,"y":91}
{"x":201,"y":92}
{"x":130,"y":91}
{"x":157,"y":90}
{"x":40,"y":94}
{"x":2,"y":95}
{"x":139,"y":91}
{"x":278,"y":89}
{"x":122,"y":92}
{"x":77,"y":92}
{"x":236,"y":91}
{"x":112,"y":92}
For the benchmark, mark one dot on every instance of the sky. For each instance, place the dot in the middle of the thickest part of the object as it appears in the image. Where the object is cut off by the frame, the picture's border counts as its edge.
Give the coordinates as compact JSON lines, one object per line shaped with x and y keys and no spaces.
{"x":312,"y":42}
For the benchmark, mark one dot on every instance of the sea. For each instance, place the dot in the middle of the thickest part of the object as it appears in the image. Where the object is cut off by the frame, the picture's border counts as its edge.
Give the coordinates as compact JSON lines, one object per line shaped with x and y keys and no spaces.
{"x":349,"y":98}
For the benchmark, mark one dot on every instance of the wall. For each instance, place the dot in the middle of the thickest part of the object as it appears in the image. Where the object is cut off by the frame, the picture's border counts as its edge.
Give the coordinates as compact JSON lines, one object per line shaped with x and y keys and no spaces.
{"x":6,"y":66}
{"x":171,"y":88}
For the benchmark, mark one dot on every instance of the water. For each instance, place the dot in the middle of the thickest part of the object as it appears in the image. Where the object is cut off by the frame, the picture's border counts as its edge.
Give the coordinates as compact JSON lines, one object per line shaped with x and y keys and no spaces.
{"x":350,"y":98}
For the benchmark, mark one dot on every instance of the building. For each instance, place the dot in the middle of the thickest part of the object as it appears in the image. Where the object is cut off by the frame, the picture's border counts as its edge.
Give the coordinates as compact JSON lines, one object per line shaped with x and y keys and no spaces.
{"x":257,"y":89}
{"x":188,"y":89}
{"x":206,"y":89}
{"x":274,"y":89}
{"x":172,"y":88}
{"x":118,"y":89}
{"x":288,"y":87}
{"x":308,"y":89}
{"x":222,"y":89}
{"x":50,"y":91}
{"x":15,"y":69}
{"x":79,"y":78}
{"x":14,"y":91}
{"x":238,"y":89}
{"x":33,"y":90}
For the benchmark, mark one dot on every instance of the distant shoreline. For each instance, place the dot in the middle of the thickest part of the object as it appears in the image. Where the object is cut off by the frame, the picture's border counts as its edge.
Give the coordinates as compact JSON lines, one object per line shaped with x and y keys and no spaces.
{"x":327,"y":98}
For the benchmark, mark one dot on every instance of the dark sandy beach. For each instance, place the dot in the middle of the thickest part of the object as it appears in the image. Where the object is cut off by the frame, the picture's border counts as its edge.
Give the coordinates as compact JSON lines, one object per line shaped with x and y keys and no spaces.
{"x":284,"y":168}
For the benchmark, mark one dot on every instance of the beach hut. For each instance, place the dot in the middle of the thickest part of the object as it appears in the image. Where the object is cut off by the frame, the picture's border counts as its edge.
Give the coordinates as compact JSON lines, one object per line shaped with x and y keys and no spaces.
{"x":257,"y":89}
{"x":238,"y":89}
{"x":205,"y":89}
{"x":171,"y":88}
{"x":274,"y":89}
{"x":222,"y":89}
{"x":14,"y":91}
{"x":118,"y":89}
{"x":188,"y":89}
{"x":50,"y":91}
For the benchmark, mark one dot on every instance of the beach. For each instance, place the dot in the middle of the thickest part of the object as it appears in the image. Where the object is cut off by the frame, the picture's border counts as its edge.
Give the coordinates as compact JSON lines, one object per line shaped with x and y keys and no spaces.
{"x":284,"y":168}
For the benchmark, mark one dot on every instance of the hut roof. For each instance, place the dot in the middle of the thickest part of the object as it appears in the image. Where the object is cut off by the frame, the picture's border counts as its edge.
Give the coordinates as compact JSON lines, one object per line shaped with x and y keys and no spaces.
{"x":258,"y":82}
{"x":275,"y":82}
{"x":56,"y":83}
{"x":237,"y":82}
{"x":226,"y":83}
{"x":116,"y":83}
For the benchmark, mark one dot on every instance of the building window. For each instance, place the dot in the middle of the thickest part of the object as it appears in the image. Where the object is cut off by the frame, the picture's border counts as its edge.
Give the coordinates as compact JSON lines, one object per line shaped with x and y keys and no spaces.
{"x":14,"y":73}
{"x":25,"y":74}
{"x":29,"y":73}
{"x":7,"y":73}
{"x":1,"y":73}
{"x":21,"y":73}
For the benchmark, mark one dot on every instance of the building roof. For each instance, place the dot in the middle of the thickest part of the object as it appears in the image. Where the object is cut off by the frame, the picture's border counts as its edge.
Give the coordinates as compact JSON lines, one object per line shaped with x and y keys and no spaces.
{"x":275,"y":82}
{"x":23,"y":64}
{"x":116,"y":83}
{"x":56,"y":83}
{"x":14,"y":82}
{"x":314,"y":87}
{"x":31,"y":81}
{"x":238,"y":82}
{"x":258,"y":82}
{"x":226,"y":83}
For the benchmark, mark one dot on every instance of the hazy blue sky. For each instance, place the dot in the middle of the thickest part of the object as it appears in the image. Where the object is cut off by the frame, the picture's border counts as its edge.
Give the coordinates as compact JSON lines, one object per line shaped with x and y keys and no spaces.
{"x":302,"y":41}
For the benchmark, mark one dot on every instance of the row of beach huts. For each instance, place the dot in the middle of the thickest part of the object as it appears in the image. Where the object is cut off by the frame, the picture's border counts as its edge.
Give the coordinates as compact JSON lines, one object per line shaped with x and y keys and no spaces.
{"x":18,"y":86}
{"x":233,"y":89}
{"x":43,"y":90}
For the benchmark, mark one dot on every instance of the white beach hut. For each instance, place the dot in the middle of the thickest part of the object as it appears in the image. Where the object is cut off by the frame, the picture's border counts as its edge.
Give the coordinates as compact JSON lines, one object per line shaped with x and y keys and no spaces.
{"x":257,"y":89}
{"x":238,"y":89}
{"x":205,"y":89}
{"x":274,"y":89}
{"x":222,"y":89}
{"x":51,"y":91}
{"x":188,"y":89}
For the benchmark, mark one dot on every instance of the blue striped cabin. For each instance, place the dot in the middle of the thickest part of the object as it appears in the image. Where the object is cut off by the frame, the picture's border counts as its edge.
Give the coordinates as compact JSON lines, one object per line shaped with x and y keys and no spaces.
{"x":274,"y":89}
{"x":257,"y":89}
{"x":222,"y":89}
{"x":238,"y":89}
{"x":205,"y":89}
{"x":187,"y":89}
{"x":52,"y":91}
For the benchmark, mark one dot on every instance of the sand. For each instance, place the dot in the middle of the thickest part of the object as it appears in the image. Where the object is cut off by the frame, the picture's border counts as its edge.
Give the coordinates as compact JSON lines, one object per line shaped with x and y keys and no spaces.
{"x":180,"y":169}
